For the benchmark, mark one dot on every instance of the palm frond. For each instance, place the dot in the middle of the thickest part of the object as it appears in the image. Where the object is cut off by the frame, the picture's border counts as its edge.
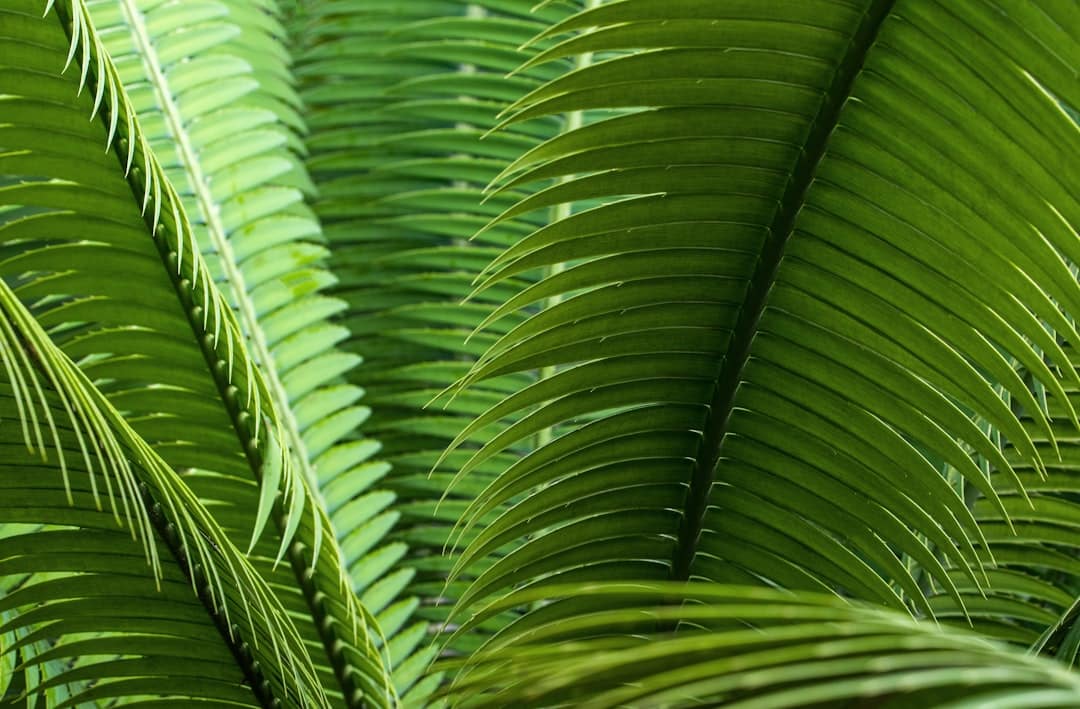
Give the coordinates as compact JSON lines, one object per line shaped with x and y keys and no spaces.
{"x":101,"y":515}
{"x":262,"y":245}
{"x":176,"y":362}
{"x":746,"y":647}
{"x":1031,"y":597}
{"x":781,"y":321}
{"x":733,"y":343}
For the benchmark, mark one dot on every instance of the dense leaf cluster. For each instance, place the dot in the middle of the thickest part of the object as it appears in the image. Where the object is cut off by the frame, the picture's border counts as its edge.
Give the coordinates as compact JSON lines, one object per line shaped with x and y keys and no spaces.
{"x":512,"y":353}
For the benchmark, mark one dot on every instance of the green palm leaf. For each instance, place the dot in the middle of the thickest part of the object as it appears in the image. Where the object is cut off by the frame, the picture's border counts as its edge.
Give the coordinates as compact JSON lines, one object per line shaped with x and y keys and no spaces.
{"x":176,"y":364}
{"x":753,"y":648}
{"x":261,"y":244}
{"x":780,"y":325}
{"x":90,"y":512}
{"x":1033,"y":588}
{"x":731,"y":343}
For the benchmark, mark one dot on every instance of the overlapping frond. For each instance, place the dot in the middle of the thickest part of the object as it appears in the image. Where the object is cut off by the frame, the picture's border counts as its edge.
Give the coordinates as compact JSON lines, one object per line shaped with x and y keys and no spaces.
{"x":747,"y":647}
{"x":83,"y":191}
{"x":246,"y":193}
{"x":118,"y":583}
{"x":99,"y":245}
{"x":1031,"y":597}
{"x":399,"y":98}
{"x":770,"y":294}
{"x":819,"y":277}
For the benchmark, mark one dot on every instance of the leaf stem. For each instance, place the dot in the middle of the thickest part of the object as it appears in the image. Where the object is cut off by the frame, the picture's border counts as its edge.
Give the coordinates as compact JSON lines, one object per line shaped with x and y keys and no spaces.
{"x":243,"y":422}
{"x":742,"y":338}
{"x":215,"y":227}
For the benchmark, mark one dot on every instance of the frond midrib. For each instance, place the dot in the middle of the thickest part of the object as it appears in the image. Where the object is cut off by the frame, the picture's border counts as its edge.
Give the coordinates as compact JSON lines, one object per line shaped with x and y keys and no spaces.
{"x":746,"y":327}
{"x":192,"y":165}
{"x":260,"y":349}
{"x":164,"y":529}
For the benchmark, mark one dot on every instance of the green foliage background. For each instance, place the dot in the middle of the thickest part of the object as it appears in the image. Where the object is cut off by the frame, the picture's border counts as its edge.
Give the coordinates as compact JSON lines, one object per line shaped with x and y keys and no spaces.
{"x":511,"y":353}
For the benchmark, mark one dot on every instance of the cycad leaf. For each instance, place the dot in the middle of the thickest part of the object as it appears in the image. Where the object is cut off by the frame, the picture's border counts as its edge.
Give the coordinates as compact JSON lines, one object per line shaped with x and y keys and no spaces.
{"x":81,"y":450}
{"x":1037,"y":574}
{"x":177,"y":362}
{"x":809,"y":280}
{"x":745,"y":647}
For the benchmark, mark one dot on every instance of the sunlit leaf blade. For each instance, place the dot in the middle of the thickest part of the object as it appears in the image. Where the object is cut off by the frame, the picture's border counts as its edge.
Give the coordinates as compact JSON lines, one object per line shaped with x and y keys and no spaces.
{"x":176,"y":359}
{"x":90,"y":511}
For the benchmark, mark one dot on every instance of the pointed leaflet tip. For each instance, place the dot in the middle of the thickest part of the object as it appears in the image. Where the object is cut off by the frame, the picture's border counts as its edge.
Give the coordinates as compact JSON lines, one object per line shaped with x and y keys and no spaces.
{"x":74,"y":37}
{"x":99,"y":92}
{"x":114,"y":117}
{"x":296,"y":512}
{"x":85,"y":64}
{"x":272,"y":468}
{"x":146,"y":200}
{"x":131,"y":143}
{"x":317,"y":522}
{"x":181,"y":227}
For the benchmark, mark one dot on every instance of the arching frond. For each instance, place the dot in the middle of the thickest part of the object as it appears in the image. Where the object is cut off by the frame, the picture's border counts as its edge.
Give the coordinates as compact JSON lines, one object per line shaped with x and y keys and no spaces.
{"x":101,"y":517}
{"x":746,"y":647}
{"x":246,"y":193}
{"x":1033,"y":589}
{"x":809,"y":288}
{"x":99,"y":245}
